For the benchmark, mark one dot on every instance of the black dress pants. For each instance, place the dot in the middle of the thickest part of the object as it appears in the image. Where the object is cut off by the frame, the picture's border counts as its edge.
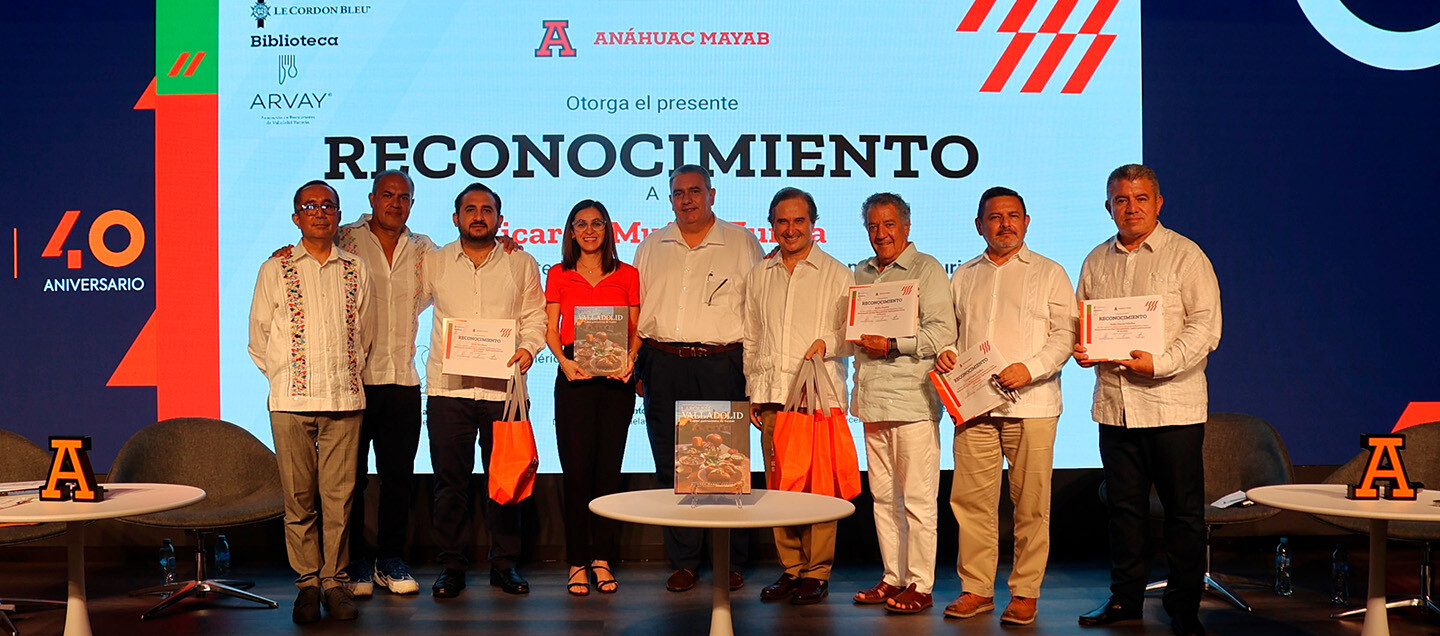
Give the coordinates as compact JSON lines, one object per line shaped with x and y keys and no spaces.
{"x":392,"y":424}
{"x":670,"y":378}
{"x":1170,"y":458}
{"x":592,"y":419}
{"x":455,"y":426}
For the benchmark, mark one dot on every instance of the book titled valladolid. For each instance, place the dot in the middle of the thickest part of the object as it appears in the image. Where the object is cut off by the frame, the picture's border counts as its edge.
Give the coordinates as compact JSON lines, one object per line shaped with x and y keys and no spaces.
{"x":602,"y":338}
{"x":711,"y":442}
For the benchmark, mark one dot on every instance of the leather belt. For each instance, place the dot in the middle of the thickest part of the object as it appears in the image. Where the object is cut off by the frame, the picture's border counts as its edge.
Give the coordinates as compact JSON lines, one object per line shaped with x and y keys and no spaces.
{"x":691,"y":349}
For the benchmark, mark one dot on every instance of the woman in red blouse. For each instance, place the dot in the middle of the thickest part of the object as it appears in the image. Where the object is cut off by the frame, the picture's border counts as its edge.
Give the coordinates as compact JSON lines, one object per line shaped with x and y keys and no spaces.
{"x":594,"y":393}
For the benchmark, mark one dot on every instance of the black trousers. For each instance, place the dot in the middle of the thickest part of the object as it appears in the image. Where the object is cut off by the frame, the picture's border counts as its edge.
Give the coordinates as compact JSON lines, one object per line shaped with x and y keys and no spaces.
{"x":455,"y":425}
{"x":592,"y":419}
{"x":1171,"y":459}
{"x":669,"y":378}
{"x":392,"y":424}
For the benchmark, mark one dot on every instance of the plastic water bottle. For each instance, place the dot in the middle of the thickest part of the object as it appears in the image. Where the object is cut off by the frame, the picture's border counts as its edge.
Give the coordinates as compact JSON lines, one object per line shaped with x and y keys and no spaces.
{"x":1284,"y":586}
{"x":1340,"y":576}
{"x":167,"y":561}
{"x":222,"y":557}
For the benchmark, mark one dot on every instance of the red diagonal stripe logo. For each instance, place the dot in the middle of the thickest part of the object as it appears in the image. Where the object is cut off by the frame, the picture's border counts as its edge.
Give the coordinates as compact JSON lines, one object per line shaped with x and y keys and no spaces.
{"x":976,"y":16}
{"x":179,"y":63}
{"x":194,"y":64}
{"x":1056,"y":20}
{"x":1003,"y":68}
{"x":1016,"y":18}
{"x":1047,"y":64}
{"x":1081,"y":77}
{"x":1098,"y":17}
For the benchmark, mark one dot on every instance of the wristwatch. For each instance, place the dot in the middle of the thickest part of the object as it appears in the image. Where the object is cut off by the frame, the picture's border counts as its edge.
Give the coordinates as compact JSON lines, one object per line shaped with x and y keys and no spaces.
{"x":892,"y":350}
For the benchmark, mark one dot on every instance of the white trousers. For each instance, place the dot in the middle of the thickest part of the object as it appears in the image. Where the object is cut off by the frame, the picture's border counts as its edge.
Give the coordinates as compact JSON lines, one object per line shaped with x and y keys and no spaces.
{"x":904,"y":466}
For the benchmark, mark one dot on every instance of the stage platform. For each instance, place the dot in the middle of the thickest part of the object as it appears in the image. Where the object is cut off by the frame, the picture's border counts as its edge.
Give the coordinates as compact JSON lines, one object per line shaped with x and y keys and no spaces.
{"x":1074,"y":584}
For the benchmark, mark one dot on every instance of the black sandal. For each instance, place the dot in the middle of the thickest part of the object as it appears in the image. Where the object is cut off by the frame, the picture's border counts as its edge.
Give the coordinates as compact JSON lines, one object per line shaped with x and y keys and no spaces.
{"x":609,"y":586}
{"x":581,"y":588}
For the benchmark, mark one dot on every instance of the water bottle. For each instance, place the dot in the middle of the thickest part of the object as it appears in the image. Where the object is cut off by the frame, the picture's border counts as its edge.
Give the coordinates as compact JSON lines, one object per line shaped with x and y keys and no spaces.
{"x":1284,"y":586}
{"x":222,"y":557}
{"x":1340,"y":576}
{"x":167,"y":561}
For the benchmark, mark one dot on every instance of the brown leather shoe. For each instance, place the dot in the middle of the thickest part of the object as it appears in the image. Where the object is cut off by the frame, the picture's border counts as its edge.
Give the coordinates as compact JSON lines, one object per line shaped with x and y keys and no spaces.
{"x":682,"y":580}
{"x":737,"y":581}
{"x":910,"y":601}
{"x":878,"y":594}
{"x":781,"y":588}
{"x":1019,"y":611}
{"x":967,"y":605}
{"x":810,"y":591}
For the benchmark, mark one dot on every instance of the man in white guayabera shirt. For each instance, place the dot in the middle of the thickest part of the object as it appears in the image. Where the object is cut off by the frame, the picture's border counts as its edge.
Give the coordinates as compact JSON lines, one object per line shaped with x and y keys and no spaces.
{"x":1152,"y":406}
{"x":310,"y":333}
{"x":795,"y":303}
{"x":1022,"y":304}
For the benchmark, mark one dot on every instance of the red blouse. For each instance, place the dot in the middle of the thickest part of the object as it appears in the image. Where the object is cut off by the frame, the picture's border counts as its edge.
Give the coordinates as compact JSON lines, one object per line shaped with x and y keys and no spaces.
{"x":568,"y":288}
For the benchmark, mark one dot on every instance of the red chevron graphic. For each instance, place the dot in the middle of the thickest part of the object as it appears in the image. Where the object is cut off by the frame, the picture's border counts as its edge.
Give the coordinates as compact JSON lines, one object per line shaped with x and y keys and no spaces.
{"x":1060,"y":43}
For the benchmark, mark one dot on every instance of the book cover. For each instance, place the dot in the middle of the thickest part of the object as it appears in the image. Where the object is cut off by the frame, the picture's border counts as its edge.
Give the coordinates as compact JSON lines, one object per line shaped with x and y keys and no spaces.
{"x":711,"y":442}
{"x":602,"y":339}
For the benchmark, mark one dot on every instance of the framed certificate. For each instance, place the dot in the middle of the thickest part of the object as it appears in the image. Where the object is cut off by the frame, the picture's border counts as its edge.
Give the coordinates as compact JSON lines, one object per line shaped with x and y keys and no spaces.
{"x":1111,"y":328}
{"x":968,"y":390}
{"x":889,"y":310}
{"x":478,"y":347}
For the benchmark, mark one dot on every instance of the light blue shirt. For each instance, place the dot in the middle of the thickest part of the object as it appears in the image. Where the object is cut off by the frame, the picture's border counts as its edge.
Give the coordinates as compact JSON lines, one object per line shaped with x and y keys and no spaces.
{"x":898,"y":390}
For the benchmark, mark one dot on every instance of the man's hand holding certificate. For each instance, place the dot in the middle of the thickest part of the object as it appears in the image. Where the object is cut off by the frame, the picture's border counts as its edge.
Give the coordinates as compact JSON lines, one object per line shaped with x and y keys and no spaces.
{"x":887,"y":310}
{"x":972,"y":388}
{"x":1112,"y":328}
{"x":479,"y":348}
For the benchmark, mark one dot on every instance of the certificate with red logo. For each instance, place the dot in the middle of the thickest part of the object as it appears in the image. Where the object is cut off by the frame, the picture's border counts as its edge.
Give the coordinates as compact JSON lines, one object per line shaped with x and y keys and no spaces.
{"x":1111,"y":328}
{"x":478,"y":347}
{"x":970,"y":389}
{"x":889,"y":310}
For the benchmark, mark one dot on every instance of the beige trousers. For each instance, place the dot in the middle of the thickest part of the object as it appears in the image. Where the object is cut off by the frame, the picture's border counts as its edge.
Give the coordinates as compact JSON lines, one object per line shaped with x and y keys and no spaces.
{"x":317,"y":456}
{"x":904,"y":466}
{"x":980,"y":446}
{"x":805,"y":551}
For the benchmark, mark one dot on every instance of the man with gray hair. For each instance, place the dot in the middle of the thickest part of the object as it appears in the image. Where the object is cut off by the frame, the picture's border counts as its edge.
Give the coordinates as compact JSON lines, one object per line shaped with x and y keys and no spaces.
{"x":901,"y":411}
{"x":692,"y":320}
{"x":1152,"y":406}
{"x":393,"y":255}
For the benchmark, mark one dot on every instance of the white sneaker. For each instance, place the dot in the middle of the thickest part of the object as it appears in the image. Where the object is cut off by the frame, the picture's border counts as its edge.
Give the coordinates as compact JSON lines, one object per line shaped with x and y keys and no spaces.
{"x":395,"y":576}
{"x":362,"y":581}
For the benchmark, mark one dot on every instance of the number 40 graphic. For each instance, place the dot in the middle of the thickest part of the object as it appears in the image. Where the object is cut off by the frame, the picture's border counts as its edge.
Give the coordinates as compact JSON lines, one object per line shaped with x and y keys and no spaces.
{"x":134,"y":244}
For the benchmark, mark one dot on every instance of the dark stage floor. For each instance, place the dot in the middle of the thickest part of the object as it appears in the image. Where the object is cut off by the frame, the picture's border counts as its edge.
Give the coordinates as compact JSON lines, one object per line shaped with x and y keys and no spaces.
{"x":644,"y":608}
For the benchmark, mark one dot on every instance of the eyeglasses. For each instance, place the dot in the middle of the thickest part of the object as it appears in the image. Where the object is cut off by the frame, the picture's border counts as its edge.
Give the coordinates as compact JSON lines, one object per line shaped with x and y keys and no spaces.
{"x":595,"y":224}
{"x":316,"y":209}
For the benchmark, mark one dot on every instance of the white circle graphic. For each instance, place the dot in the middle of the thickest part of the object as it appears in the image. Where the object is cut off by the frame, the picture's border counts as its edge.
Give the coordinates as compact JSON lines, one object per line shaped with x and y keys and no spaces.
{"x":1369,"y":44}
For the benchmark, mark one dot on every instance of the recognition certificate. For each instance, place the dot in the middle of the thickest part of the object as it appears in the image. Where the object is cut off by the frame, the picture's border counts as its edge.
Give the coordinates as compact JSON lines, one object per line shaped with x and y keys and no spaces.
{"x":969,"y":389}
{"x":890,"y":310}
{"x":1113,"y":327}
{"x":478,"y":347}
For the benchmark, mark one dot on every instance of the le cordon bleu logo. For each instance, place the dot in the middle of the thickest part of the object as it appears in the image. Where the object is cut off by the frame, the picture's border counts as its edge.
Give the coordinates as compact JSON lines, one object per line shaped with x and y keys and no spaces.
{"x":262,"y":11}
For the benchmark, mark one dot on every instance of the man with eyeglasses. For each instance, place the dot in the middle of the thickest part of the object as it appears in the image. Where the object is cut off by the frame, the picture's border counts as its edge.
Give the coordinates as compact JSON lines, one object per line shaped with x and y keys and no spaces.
{"x":393,"y":255}
{"x":692,"y":296}
{"x":310,"y":333}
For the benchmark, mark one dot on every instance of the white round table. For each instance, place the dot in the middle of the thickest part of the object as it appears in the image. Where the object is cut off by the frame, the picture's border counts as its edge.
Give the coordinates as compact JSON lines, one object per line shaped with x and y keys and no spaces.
{"x":759,"y":509}
{"x":1329,"y":499}
{"x":121,"y":500}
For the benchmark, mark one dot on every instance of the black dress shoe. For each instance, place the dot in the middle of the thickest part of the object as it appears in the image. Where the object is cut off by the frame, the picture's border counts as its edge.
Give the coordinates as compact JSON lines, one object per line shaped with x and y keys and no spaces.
{"x":449,"y":584}
{"x":1187,"y":626}
{"x":1110,"y":612}
{"x":810,"y":591}
{"x":781,"y":588}
{"x":307,"y":606}
{"x":340,"y":604}
{"x":509,"y":579}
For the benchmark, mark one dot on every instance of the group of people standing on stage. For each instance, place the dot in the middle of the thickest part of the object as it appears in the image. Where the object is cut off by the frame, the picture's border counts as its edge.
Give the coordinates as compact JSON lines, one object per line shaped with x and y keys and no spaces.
{"x":715,"y":318}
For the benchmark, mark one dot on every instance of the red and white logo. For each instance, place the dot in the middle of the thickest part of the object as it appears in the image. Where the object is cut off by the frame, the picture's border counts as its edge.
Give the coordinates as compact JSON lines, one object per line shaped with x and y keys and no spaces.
{"x":985,"y":347}
{"x":1152,"y":305}
{"x":1059,"y":42}
{"x":505,"y":333}
{"x":556,"y":36}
